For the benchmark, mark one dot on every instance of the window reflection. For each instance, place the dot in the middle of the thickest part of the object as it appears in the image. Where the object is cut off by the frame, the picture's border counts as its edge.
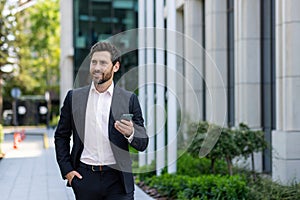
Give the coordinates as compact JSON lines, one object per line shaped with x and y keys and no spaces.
{"x":97,"y":20}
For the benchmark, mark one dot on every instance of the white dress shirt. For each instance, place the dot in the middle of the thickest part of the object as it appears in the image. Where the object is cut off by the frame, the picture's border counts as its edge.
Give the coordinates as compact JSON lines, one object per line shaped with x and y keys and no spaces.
{"x":97,"y":149}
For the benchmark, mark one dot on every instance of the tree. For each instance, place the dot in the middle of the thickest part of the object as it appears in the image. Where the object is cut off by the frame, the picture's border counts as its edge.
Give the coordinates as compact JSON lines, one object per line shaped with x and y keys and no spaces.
{"x":39,"y":45}
{"x":8,"y":52}
{"x":232,"y":143}
{"x":250,"y":141}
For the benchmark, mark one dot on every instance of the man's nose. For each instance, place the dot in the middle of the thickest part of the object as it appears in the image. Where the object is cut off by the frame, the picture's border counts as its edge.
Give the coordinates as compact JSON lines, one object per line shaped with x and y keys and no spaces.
{"x":99,"y":66}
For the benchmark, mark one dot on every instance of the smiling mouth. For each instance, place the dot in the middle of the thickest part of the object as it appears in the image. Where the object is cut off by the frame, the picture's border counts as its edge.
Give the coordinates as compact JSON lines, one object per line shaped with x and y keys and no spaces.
{"x":98,"y":75}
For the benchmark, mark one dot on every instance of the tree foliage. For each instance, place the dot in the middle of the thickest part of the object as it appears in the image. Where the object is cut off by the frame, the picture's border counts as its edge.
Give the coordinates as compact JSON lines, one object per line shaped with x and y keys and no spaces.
{"x":232,"y":143}
{"x":8,"y":51}
{"x":7,"y":33}
{"x":39,"y":49}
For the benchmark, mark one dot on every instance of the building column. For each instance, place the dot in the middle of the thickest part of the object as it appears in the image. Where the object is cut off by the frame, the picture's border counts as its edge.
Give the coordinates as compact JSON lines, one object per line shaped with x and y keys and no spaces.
{"x":216,"y":61}
{"x":160,"y":86}
{"x":248,"y":67}
{"x":286,"y":137}
{"x":194,"y":60}
{"x":67,"y":50}
{"x":171,"y":84}
{"x":180,"y":82}
{"x":150,"y":119}
{"x":141,"y":69}
{"x":247,"y":62}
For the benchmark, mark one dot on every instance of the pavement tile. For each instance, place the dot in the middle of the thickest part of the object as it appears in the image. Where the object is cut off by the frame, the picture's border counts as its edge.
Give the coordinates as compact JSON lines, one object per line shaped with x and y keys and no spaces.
{"x":31,"y":172}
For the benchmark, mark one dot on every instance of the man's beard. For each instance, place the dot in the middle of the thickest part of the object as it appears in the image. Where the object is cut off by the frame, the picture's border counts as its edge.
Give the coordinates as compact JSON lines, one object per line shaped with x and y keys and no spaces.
{"x":105,"y":77}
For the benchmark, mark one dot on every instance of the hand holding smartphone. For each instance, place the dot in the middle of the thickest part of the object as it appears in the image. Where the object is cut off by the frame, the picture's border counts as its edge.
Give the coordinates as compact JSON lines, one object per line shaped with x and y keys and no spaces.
{"x":127,"y":117}
{"x":124,"y":125}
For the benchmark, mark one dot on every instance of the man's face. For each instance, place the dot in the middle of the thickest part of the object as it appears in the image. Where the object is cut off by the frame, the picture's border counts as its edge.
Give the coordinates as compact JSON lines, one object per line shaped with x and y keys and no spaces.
{"x":101,"y":67}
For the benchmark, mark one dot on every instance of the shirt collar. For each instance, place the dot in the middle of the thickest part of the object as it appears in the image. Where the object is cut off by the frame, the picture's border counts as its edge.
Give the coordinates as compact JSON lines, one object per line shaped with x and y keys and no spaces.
{"x":110,"y":89}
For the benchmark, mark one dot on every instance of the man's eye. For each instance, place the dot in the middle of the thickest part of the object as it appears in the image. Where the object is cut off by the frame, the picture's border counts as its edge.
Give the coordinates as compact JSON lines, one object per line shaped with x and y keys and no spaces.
{"x":94,"y":62}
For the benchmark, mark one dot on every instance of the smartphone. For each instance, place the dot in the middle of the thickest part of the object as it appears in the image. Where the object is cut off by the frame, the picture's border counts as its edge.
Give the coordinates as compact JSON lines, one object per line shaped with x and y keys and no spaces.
{"x":127,"y":117}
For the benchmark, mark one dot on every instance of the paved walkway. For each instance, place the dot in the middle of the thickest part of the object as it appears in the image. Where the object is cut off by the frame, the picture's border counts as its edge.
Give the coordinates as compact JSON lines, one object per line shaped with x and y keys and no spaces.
{"x":31,"y":173}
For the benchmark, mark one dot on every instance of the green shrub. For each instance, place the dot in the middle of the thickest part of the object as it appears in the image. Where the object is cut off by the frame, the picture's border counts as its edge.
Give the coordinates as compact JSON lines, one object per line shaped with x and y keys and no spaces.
{"x":54,"y":121}
{"x":144,"y":172}
{"x":224,"y":148}
{"x":202,"y":187}
{"x":231,"y":142}
{"x":167,"y":184}
{"x":192,"y":182}
{"x":266,"y":189}
{"x":250,"y":141}
{"x":191,"y":166}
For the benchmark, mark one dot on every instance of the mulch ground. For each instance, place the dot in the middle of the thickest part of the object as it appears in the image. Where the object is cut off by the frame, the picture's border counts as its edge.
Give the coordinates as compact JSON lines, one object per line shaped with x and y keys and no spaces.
{"x":151,"y":191}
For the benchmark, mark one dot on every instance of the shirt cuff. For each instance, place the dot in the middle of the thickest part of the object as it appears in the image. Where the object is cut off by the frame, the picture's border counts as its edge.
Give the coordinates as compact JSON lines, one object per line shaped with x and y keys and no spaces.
{"x":130,"y":138}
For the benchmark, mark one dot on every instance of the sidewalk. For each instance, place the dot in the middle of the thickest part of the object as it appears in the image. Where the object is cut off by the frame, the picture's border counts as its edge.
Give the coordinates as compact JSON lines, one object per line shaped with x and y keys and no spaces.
{"x":30,"y":172}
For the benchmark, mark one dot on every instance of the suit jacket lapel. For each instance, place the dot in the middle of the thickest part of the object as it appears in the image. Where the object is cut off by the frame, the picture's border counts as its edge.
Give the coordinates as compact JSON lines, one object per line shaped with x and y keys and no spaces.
{"x":113,"y":114}
{"x":119,"y":106}
{"x":79,"y":104}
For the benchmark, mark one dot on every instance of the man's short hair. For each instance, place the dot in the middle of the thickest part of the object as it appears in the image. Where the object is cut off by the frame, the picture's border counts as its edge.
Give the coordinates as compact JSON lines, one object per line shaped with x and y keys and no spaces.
{"x":106,"y":46}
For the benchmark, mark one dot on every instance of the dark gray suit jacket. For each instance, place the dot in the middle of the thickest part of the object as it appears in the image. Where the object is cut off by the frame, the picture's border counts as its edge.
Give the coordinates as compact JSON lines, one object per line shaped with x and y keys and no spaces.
{"x":72,"y":123}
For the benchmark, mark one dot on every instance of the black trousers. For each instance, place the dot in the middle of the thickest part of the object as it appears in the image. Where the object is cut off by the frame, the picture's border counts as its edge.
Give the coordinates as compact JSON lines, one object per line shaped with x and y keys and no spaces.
{"x":99,"y":185}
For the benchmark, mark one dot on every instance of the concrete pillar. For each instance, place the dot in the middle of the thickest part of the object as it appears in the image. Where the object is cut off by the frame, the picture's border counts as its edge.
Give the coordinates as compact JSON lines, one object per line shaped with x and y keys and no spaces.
{"x":160,"y":86}
{"x":194,"y":59}
{"x":141,"y":69}
{"x":216,"y":61}
{"x":66,"y":46}
{"x":171,"y":84}
{"x":248,"y":67}
{"x":286,"y":137}
{"x":180,"y":82}
{"x":150,"y":81}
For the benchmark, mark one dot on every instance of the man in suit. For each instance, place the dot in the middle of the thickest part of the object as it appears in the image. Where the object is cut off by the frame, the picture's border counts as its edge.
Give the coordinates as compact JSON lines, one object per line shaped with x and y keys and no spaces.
{"x":99,"y":165}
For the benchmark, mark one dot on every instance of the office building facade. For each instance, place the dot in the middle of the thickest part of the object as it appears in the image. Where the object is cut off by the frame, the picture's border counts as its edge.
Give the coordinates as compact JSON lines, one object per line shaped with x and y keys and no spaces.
{"x":226,"y":62}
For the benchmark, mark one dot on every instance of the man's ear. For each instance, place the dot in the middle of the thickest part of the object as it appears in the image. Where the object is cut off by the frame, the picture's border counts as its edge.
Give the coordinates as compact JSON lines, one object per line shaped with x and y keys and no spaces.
{"x":116,"y":67}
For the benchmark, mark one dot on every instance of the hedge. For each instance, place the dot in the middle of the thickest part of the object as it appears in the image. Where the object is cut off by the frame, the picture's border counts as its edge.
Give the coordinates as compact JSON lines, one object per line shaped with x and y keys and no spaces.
{"x":215,"y":187}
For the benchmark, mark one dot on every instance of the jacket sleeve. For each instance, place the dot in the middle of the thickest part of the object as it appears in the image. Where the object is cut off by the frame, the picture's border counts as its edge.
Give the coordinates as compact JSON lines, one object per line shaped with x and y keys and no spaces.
{"x":62,"y":136}
{"x":140,"y":139}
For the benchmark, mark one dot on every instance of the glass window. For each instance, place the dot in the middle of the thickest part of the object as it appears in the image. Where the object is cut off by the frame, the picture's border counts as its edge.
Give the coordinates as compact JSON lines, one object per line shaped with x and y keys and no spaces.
{"x":96,"y":20}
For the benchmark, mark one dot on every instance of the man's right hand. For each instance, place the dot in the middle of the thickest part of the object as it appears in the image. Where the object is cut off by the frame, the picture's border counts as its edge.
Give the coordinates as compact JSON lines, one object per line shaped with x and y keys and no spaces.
{"x":71,"y":175}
